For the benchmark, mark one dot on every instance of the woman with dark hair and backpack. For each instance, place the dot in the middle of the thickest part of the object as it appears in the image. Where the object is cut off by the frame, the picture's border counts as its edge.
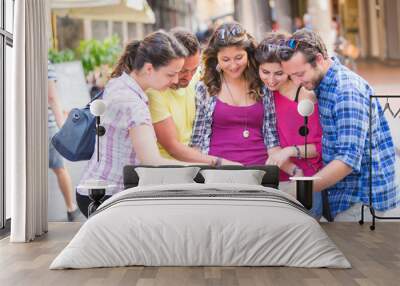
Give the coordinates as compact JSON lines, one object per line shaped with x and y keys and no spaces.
{"x":153,"y":63}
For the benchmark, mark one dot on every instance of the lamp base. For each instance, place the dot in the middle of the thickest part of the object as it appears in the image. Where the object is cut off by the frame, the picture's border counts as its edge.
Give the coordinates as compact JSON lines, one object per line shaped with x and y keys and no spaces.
{"x":304,"y":190}
{"x":304,"y":193}
{"x":96,"y":192}
{"x":96,"y":196}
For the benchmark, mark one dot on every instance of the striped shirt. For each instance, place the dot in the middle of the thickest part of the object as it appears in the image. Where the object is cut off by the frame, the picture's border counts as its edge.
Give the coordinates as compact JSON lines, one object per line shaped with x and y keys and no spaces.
{"x":127,"y":107}
{"x":51,"y":75}
{"x":343,"y":99}
{"x":205,"y":106}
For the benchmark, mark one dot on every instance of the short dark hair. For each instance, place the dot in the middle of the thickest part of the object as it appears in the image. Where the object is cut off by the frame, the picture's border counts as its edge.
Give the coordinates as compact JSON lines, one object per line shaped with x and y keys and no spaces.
{"x":268,"y":49}
{"x":307,"y":42}
{"x":187,"y":39}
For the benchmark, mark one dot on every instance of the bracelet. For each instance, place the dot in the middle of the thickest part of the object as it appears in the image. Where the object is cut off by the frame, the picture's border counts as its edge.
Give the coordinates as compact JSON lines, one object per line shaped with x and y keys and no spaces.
{"x":298,"y":151}
{"x":294,"y":171}
{"x":218,"y":162}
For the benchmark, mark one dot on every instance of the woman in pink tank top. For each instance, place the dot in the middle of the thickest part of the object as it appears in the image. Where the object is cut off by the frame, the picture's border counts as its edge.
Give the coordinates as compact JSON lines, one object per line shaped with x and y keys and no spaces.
{"x":286,"y":95}
{"x":234,"y":118}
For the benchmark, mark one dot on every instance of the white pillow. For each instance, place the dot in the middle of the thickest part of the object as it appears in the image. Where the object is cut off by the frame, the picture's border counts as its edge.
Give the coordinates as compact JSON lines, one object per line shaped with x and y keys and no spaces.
{"x":248,"y":177}
{"x":166,"y":176}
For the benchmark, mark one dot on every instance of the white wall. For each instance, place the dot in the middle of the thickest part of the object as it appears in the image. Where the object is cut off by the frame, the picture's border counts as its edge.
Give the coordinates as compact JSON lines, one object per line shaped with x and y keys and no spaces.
{"x":283,"y":17}
{"x":321,"y":19}
{"x":373,"y":29}
{"x":206,"y":9}
{"x":363,"y":28}
{"x":107,"y":30}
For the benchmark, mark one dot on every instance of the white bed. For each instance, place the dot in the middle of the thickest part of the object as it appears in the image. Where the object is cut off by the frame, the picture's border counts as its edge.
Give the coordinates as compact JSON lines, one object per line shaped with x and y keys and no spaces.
{"x":201,"y":225}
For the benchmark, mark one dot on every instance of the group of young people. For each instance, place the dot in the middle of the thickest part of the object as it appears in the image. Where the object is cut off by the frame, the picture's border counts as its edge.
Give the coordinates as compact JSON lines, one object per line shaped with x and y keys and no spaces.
{"x":235,"y":102}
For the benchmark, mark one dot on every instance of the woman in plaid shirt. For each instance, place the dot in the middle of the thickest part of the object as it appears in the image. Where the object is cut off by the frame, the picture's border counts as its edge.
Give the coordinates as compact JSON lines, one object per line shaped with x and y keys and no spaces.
{"x":234,"y":120}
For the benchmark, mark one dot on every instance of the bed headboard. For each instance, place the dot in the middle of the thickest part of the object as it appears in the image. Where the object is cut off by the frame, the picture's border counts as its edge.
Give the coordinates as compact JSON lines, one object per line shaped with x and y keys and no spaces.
{"x":270,"y":179}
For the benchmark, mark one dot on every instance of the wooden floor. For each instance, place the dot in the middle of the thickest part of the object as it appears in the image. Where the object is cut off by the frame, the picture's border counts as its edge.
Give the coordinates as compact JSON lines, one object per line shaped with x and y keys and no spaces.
{"x":375,"y":257}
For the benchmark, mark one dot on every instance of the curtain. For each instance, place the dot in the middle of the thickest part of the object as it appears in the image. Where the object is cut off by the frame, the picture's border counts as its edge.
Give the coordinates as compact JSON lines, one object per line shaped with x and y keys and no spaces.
{"x":26,"y":116}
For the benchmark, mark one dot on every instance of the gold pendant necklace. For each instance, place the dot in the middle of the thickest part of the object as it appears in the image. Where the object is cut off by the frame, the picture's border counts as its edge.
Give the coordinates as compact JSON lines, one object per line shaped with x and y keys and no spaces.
{"x":246,"y":132}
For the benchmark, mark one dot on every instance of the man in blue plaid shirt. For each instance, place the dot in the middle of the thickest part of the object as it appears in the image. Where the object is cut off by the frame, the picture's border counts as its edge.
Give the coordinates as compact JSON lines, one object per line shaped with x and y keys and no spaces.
{"x":343,"y":100}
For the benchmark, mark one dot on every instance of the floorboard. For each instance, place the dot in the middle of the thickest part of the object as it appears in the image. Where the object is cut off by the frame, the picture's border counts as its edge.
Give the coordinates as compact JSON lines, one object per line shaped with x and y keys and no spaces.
{"x":374,"y":255}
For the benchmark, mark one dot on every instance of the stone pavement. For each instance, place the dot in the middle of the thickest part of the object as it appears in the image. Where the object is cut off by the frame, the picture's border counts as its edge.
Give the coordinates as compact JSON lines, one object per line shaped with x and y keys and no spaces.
{"x":384,"y":78}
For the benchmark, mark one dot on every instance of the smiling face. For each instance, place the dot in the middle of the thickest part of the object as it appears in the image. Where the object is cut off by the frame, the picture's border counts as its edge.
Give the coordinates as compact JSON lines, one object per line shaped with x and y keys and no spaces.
{"x":233,"y":61}
{"x":165,"y":76}
{"x":272,"y":75}
{"x":302,"y":72}
{"x":187,"y":72}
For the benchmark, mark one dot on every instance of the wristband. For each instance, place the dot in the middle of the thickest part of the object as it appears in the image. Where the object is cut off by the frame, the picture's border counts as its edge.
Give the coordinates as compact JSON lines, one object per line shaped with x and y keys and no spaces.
{"x":298,"y":151}
{"x":294,"y":171}
{"x":217,"y":162}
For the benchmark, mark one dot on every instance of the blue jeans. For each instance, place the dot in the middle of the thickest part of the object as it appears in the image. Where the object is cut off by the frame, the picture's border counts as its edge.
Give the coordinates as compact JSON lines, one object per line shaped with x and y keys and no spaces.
{"x":316,"y":209}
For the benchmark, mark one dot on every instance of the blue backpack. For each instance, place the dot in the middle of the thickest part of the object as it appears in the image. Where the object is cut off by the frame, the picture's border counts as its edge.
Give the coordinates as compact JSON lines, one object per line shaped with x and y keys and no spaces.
{"x":76,"y":139}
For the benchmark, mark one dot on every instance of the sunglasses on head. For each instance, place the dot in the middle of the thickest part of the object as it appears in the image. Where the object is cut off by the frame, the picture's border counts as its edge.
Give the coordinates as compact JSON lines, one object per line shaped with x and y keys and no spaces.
{"x":291,"y":46}
{"x":271,"y":48}
{"x":224,"y":33}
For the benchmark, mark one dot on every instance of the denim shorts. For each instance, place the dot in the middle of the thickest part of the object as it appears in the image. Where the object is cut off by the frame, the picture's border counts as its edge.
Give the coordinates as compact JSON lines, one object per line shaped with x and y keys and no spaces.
{"x":55,"y":159}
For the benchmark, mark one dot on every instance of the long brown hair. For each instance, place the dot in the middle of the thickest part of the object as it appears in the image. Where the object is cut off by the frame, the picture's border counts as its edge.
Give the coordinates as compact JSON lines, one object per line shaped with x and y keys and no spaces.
{"x":157,"y":48}
{"x":226,"y":35}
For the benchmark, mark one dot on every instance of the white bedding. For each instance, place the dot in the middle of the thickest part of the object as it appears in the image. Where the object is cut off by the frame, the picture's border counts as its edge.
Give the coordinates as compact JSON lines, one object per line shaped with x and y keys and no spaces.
{"x":265,"y":229}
